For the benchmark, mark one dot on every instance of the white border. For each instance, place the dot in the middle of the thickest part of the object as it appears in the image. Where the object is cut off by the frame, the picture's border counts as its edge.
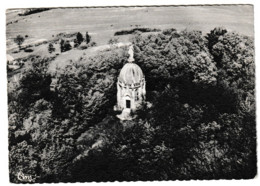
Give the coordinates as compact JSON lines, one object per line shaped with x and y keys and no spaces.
{"x":4,"y":4}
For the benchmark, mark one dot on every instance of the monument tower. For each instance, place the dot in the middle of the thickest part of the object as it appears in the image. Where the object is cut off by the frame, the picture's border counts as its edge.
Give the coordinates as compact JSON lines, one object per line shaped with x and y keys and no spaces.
{"x":130,"y":88}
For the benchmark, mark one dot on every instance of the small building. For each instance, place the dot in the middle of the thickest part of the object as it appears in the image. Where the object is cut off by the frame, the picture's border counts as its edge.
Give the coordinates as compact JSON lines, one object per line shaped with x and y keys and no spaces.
{"x":130,"y":88}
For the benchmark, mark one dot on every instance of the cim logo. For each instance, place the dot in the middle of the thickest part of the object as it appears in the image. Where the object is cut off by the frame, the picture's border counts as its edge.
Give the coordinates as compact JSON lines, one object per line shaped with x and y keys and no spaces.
{"x":25,"y":177}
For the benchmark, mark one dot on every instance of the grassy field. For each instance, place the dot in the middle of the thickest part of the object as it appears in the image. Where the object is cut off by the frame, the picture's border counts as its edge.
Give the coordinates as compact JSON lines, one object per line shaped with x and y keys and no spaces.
{"x":102,"y":23}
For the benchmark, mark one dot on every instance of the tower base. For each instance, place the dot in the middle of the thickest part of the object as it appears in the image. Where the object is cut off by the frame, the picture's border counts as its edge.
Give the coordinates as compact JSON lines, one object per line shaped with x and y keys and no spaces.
{"x":125,"y":115}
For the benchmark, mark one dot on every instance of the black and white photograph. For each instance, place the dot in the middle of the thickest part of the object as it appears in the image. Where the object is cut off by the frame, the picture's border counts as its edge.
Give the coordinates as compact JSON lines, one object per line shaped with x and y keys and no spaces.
{"x":131,"y":93}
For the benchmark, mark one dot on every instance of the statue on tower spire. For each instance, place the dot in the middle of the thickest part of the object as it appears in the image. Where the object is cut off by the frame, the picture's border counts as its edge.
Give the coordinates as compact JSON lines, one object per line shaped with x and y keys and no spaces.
{"x":131,"y":53}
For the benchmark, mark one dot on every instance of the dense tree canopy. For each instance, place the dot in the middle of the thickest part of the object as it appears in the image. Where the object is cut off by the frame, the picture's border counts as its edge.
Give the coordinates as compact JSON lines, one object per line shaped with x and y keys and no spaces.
{"x":200,"y":123}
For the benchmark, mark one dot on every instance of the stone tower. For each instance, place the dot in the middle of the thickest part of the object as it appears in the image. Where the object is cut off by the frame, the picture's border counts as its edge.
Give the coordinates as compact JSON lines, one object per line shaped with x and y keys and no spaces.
{"x":130,"y":88}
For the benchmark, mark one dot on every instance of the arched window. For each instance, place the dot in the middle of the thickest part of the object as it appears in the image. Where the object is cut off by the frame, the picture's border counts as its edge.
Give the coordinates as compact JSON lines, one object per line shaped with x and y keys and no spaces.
{"x":136,"y":95}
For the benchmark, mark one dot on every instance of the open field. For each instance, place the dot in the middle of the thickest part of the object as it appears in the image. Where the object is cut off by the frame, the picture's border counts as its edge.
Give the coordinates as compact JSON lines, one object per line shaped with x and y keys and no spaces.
{"x":102,"y":23}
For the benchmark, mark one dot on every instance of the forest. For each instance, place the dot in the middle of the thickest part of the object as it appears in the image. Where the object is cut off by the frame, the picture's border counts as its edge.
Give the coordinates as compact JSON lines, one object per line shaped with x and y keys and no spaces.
{"x":201,"y":123}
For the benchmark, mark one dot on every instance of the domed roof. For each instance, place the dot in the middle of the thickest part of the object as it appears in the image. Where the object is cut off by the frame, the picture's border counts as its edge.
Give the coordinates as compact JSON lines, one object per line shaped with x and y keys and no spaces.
{"x":131,"y":73}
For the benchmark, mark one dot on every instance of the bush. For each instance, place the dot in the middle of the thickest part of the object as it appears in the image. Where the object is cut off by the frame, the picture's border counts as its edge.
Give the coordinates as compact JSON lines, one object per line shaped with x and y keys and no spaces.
{"x":88,"y":38}
{"x":213,"y":37}
{"x":79,"y":38}
{"x":28,"y":50}
{"x":19,"y":41}
{"x":131,"y":31}
{"x":65,"y":46}
{"x":113,"y":41}
{"x":92,"y":44}
{"x":51,"y":48}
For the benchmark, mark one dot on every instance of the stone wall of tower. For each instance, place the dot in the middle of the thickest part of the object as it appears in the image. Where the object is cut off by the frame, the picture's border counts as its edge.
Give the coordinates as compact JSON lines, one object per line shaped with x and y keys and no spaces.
{"x":119,"y":96}
{"x":144,"y":89}
{"x":134,"y":93}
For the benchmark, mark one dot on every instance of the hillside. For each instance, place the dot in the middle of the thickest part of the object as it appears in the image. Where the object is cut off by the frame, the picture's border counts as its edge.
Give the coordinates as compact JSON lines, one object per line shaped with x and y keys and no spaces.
{"x":102,"y":23}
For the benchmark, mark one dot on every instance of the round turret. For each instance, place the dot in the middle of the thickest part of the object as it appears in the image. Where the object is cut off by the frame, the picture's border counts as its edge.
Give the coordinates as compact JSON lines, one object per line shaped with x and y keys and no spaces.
{"x":130,"y":74}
